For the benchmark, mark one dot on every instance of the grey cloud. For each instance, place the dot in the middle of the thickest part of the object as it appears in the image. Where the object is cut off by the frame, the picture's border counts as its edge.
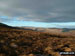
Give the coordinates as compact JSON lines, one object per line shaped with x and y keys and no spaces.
{"x":39,"y":10}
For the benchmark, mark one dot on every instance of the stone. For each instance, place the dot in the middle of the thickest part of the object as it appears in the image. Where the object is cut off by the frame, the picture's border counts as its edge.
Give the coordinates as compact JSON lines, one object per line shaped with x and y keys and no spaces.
{"x":67,"y":49}
{"x":47,"y":48}
{"x":2,"y":41}
{"x":13,"y":45}
{"x":31,"y":55}
{"x":56,"y":54}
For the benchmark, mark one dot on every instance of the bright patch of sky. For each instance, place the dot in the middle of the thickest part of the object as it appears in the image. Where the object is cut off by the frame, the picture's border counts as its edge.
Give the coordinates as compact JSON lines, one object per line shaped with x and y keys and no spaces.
{"x":41,"y":24}
{"x":22,"y":23}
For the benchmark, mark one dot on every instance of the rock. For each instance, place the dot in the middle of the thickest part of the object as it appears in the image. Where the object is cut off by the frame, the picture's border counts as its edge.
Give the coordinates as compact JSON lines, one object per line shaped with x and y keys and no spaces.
{"x":13,"y":45}
{"x":47,"y":48}
{"x":56,"y":54}
{"x":59,"y":46}
{"x":50,"y":52}
{"x":31,"y":55}
{"x":2,"y":41}
{"x":13,"y":40}
{"x":67,"y":49}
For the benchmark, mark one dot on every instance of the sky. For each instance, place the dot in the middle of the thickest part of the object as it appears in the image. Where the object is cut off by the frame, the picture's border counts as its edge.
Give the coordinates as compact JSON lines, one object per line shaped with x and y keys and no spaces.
{"x":38,"y":13}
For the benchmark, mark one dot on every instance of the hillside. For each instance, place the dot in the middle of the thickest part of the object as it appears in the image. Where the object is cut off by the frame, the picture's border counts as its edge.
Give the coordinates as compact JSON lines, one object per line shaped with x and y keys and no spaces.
{"x":20,"y":42}
{"x":3,"y":25}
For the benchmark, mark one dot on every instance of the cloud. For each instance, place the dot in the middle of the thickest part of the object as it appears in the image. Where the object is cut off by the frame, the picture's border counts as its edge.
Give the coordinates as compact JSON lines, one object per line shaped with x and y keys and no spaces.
{"x":39,"y":10}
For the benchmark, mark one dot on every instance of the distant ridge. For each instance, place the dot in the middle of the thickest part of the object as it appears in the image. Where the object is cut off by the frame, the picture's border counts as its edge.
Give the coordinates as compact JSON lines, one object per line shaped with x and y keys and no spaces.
{"x":58,"y":30}
{"x":4,"y":25}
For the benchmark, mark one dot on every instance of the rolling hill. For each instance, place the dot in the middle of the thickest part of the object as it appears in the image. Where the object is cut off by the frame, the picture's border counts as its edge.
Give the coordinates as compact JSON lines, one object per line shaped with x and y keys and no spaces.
{"x":21,"y":42}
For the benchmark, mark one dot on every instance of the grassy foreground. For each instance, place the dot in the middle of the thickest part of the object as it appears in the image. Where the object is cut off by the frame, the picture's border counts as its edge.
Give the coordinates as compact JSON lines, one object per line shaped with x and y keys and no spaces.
{"x":17,"y":42}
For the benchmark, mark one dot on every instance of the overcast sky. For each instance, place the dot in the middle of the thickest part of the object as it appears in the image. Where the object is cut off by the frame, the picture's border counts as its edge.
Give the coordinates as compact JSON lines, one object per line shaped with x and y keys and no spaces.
{"x":46,"y":11}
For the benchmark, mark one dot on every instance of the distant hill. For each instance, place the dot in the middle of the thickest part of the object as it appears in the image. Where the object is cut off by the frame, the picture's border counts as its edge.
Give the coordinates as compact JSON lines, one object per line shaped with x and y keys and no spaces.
{"x":3,"y":25}
{"x":53,"y":30}
{"x":67,"y":30}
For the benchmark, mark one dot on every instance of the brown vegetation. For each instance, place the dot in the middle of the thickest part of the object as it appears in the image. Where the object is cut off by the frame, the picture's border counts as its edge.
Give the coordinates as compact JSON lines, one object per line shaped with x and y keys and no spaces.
{"x":17,"y":42}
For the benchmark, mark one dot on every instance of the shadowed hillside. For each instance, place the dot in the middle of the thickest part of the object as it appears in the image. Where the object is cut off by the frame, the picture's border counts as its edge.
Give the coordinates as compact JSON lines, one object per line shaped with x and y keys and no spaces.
{"x":20,"y":42}
{"x":2,"y":25}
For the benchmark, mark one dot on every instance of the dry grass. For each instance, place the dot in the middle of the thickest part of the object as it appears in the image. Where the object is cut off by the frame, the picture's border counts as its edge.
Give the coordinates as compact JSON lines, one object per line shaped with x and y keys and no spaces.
{"x":17,"y":42}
